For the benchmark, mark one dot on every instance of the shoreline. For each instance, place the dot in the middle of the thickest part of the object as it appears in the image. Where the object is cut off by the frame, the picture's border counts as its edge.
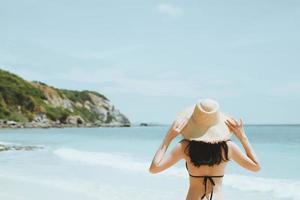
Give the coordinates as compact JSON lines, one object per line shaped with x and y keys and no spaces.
{"x":22,"y":125}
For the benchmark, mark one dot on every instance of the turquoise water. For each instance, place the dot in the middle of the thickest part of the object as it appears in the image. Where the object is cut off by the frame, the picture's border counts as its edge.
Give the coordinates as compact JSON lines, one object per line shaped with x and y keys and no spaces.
{"x":112,"y":163}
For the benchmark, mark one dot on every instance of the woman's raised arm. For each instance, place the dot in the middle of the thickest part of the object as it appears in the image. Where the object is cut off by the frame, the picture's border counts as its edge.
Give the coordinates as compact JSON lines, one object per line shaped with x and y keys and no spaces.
{"x":161,"y":162}
{"x":248,"y":161}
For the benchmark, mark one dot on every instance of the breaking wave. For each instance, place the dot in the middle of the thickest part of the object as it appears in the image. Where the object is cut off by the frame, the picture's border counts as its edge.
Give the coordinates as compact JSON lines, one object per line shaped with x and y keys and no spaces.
{"x":279,"y":188}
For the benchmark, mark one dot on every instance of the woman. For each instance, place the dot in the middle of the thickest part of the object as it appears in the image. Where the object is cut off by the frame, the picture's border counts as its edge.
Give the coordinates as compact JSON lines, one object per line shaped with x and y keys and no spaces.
{"x":206,"y":148}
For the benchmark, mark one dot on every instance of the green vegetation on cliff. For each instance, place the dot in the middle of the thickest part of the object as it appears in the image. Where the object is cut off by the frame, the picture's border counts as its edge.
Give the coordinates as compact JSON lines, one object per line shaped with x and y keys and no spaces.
{"x":18,"y":98}
{"x":21,"y":101}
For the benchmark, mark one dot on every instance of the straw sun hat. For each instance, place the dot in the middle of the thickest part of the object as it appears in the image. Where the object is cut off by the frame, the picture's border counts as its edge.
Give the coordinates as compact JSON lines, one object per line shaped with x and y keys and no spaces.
{"x":205,"y":122}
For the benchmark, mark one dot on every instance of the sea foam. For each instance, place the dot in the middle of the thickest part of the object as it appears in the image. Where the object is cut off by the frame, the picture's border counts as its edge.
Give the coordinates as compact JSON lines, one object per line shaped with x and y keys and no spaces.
{"x":278,"y":188}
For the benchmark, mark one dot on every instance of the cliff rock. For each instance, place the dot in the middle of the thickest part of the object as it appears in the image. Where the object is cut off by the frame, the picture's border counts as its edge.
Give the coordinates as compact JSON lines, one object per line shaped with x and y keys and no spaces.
{"x":39,"y":105}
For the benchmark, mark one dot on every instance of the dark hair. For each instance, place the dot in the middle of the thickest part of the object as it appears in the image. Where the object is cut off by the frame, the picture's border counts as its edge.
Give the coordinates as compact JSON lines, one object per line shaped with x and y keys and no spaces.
{"x":202,"y":153}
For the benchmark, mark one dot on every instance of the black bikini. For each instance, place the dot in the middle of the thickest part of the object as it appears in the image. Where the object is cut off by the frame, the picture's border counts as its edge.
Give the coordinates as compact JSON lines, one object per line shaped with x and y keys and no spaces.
{"x":205,"y":179}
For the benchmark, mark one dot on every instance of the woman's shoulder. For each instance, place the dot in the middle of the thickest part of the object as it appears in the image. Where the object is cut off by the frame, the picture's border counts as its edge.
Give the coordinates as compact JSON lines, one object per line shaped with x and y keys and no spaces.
{"x":184,"y":142}
{"x":232,"y":146}
{"x":230,"y":143}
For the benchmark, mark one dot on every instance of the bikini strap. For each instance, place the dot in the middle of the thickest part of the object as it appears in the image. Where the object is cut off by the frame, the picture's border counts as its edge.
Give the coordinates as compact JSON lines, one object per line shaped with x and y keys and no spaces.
{"x":220,"y":176}
{"x":205,"y":179}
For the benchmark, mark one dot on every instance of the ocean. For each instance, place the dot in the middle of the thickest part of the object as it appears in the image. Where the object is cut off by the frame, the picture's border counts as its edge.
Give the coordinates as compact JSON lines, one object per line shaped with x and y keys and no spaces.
{"x":112,"y":163}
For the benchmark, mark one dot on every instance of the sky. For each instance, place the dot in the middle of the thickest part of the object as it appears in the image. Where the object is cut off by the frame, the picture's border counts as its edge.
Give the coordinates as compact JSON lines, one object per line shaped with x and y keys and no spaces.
{"x":153,"y":58}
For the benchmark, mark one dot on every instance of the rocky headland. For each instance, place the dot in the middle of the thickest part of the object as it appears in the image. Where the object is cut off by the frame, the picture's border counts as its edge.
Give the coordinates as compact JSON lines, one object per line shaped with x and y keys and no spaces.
{"x":25,"y":104}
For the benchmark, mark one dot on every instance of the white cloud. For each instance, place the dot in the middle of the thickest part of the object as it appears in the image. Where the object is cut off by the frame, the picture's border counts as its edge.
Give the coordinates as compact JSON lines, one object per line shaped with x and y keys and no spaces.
{"x":291,"y":89}
{"x":105,"y":54}
{"x":28,"y":74}
{"x":115,"y":80}
{"x":170,"y":10}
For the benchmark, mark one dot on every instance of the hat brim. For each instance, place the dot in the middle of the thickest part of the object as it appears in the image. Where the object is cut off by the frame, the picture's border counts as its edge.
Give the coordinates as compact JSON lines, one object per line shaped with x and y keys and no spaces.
{"x":212,"y":134}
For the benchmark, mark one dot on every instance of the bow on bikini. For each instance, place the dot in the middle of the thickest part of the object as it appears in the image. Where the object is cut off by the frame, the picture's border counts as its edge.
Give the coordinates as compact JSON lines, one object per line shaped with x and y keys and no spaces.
{"x":205,"y":178}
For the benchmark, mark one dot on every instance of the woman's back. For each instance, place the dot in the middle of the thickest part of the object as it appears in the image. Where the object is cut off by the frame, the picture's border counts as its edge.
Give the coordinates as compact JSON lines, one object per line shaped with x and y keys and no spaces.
{"x":205,"y":179}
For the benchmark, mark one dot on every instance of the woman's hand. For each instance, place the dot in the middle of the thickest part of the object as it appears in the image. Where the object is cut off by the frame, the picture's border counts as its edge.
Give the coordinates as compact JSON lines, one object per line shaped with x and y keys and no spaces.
{"x":236,"y":127}
{"x":176,"y":128}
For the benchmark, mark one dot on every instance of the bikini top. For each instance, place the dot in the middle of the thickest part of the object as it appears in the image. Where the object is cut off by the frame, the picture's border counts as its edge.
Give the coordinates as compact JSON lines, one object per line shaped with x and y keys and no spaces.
{"x":205,"y":179}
